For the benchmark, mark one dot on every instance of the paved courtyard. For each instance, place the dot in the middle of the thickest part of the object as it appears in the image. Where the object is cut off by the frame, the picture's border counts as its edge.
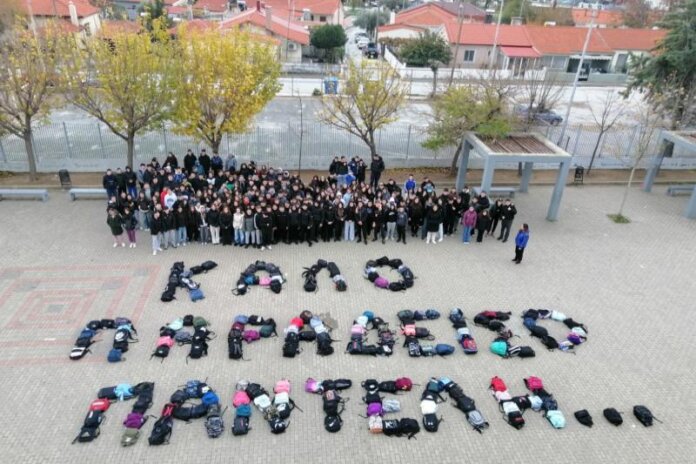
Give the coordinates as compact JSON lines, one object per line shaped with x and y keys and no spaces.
{"x":632,"y":285}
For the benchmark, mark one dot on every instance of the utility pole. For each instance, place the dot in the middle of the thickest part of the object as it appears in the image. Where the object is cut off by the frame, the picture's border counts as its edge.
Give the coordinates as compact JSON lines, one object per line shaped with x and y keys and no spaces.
{"x":299,"y":163}
{"x":460,"y":18}
{"x":497,"y":31}
{"x":291,"y":13}
{"x":577,"y":77}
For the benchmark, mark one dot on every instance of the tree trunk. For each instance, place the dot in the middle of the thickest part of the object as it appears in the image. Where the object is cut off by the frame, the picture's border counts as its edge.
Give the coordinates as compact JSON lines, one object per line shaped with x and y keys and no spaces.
{"x":215,"y":143}
{"x":594,"y":152}
{"x":370,"y":142}
{"x":434,"y":70}
{"x":130,"y":142}
{"x":628,"y":187}
{"x":29,"y":146}
{"x":455,"y":159}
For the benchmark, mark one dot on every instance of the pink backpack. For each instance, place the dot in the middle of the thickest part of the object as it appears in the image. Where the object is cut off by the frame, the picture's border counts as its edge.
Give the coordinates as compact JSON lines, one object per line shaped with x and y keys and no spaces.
{"x":240,"y":397}
{"x":265,"y":281}
{"x":497,"y":384}
{"x":165,"y":340}
{"x":251,"y":335}
{"x":357,"y":329}
{"x":409,"y":330}
{"x":381,"y":282}
{"x":282,"y":386}
{"x":533,"y":383}
{"x":312,"y":386}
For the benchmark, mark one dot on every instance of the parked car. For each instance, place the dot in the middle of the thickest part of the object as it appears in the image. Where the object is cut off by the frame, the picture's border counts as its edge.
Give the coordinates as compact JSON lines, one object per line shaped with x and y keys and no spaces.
{"x":359,"y":36}
{"x":362,"y":42}
{"x":371,"y":50}
{"x":547,"y":116}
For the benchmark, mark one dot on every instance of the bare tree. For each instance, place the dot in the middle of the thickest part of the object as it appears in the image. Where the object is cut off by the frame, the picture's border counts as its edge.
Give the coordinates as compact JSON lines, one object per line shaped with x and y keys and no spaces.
{"x":540,"y":95}
{"x":649,"y":124}
{"x":605,"y":117}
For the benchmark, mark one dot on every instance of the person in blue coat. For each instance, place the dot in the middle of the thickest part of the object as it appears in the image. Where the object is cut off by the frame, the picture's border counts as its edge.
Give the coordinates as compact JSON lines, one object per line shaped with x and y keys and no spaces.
{"x":521,"y":241}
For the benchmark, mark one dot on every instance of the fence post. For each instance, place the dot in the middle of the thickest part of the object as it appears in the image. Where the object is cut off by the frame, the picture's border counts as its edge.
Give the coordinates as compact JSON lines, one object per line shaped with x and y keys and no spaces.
{"x":67,"y":140}
{"x":408,"y":141}
{"x":164,"y":137}
{"x":101,"y":141}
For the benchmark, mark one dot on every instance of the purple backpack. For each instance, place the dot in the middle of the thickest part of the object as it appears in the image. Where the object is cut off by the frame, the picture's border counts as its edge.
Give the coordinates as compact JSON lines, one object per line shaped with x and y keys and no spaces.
{"x":312,"y":386}
{"x":251,"y":335}
{"x":381,"y":282}
{"x":374,"y":409}
{"x":134,"y":420}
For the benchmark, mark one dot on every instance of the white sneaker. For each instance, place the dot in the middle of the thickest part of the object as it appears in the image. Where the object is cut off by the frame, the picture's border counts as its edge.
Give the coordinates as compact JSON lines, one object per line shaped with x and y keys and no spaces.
{"x":115,"y":244}
{"x":263,"y":248}
{"x":160,"y":249}
{"x":269,"y":247}
{"x":440,"y":239}
{"x":154,"y":253}
{"x":123,"y":245}
{"x":184,"y":244}
{"x":466,"y":243}
{"x":135,"y":245}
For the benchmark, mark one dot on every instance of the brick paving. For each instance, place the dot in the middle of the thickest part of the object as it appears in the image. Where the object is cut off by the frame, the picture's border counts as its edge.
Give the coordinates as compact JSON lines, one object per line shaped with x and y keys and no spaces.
{"x":631,"y":284}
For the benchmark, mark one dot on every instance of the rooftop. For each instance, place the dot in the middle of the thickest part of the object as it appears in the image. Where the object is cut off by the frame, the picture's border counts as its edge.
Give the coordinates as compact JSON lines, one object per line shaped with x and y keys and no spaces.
{"x":59,"y":8}
{"x":279,"y":26}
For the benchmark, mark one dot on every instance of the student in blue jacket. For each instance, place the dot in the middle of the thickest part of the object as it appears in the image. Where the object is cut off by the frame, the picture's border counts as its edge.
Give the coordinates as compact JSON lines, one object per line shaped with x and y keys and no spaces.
{"x":521,"y":243}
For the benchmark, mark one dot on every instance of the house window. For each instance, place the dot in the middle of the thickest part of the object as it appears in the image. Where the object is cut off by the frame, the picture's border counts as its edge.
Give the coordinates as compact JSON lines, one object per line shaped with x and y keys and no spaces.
{"x":292,"y":46}
{"x":322,"y":19}
{"x":468,"y":56}
{"x":87,"y":29}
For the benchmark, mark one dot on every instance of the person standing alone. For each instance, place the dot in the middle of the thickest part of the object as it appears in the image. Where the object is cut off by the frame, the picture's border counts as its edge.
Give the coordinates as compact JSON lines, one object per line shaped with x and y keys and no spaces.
{"x":521,"y":241}
{"x":376,"y":169}
{"x":507,"y":215}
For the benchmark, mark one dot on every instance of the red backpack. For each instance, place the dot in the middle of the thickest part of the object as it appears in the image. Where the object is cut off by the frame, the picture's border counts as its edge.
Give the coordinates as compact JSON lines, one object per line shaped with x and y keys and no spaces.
{"x":533,"y":383}
{"x":404,"y":384}
{"x":497,"y":384}
{"x":99,"y":405}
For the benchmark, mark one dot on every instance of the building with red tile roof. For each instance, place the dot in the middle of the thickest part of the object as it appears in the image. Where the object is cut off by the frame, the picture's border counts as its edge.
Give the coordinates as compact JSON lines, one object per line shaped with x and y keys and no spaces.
{"x":86,"y":18}
{"x":607,"y":18}
{"x":306,"y":11}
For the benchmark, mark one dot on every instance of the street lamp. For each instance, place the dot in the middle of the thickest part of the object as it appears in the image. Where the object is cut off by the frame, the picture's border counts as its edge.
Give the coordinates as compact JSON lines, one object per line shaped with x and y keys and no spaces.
{"x":577,"y":77}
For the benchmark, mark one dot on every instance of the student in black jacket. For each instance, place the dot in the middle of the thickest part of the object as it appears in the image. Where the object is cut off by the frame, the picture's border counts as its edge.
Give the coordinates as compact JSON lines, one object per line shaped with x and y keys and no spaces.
{"x":306,"y":225}
{"x":507,"y":215}
{"x":294,"y":220}
{"x":110,"y":183}
{"x":378,"y":222}
{"x":317,"y":222}
{"x":169,"y":228}
{"x":282,"y":225}
{"x":156,"y":232}
{"x":213,"y":218}
{"x":226,"y":226}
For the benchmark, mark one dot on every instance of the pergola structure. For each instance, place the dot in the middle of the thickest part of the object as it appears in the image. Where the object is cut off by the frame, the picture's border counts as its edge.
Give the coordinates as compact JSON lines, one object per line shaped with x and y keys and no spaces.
{"x":685,"y":140}
{"x":526,"y":148}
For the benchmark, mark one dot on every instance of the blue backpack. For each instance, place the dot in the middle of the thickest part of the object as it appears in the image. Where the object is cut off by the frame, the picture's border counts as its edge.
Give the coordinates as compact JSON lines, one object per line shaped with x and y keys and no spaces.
{"x":432,"y":314}
{"x":87,"y":333}
{"x":193,"y":388}
{"x":369,"y":315}
{"x":443,"y":349}
{"x":242,"y":319}
{"x":123,"y":391}
{"x":243,"y":410}
{"x":456,"y":315}
{"x":196,"y":294}
{"x":115,"y":356}
{"x":210,"y":398}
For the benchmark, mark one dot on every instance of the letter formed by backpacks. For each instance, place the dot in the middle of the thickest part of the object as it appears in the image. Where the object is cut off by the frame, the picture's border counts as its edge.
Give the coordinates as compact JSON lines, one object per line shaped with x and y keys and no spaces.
{"x":162,"y":430}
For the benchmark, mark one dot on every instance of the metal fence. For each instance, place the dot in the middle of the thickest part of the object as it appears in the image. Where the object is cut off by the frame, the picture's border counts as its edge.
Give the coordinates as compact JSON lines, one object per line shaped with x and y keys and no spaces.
{"x":92,"y":147}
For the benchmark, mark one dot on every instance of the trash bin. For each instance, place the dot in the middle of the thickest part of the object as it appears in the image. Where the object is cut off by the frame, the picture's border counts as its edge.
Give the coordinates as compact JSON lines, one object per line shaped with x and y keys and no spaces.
{"x":64,"y":177}
{"x":579,"y":174}
{"x":330,"y":85}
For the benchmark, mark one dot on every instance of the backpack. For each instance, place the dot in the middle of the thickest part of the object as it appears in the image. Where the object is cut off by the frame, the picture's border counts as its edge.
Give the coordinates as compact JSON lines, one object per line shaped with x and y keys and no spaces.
{"x":243,"y":410}
{"x":208,"y":266}
{"x":644,"y":415}
{"x":414,"y":348}
{"x":183,"y":337}
{"x":240,"y":398}
{"x":267,"y":330}
{"x":388,"y":386}
{"x":196,"y":294}
{"x":465,"y":404}
{"x":391,"y":405}
{"x":549,"y":342}
{"x":87,"y":434}
{"x":199,"y":322}
{"x":78,"y":352}
{"x":130,"y":437}
{"x":134,"y":420}
{"x":291,"y":347}
{"x":409,"y":427}
{"x":476,"y":420}
{"x":443,"y":349}
{"x":497,"y":384}
{"x":584,"y":417}
{"x":115,"y":356}
{"x":251,"y":335}
{"x":556,"y":419}
{"x":100,"y":404}
{"x":515,"y":419}
{"x":404,"y":384}
{"x":214,"y":425}
{"x":405,"y":316}
{"x":188,"y":320}
{"x":343,"y":384}
{"x":93,"y":419}
{"x":324,"y":347}
{"x":613,"y":416}
{"x":161,"y":431}
{"x":332,"y":423}
{"x":123,"y":391}
{"x":210,"y":398}
{"x":374,"y":424}
{"x":500,"y":348}
{"x":374,"y":409}
{"x":431,"y":423}
{"x":390,"y":427}
{"x":198,"y":350}
{"x":240,"y":425}
{"x":277,"y":425}
{"x":533,"y":383}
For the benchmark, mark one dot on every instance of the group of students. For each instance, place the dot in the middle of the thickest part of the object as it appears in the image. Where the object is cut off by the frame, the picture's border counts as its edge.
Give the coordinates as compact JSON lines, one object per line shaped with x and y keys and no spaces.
{"x":214,"y":201}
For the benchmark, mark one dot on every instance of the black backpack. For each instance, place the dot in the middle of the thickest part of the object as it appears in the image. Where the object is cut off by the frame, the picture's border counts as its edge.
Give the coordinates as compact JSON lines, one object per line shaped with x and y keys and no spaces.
{"x":465,"y":404}
{"x":644,"y":415}
{"x":254,"y":390}
{"x":613,"y":416}
{"x":198,"y":350}
{"x":234,"y":345}
{"x":388,"y":386}
{"x":333,"y":423}
{"x":161,"y":431}
{"x":188,"y":320}
{"x":107,"y":393}
{"x":390,"y":427}
{"x":332,"y":404}
{"x":584,"y":417}
{"x":161,"y":351}
{"x":515,"y":419}
{"x":431,"y":423}
{"x":343,"y":384}
{"x":208,"y":265}
{"x":87,"y":434}
{"x":549,"y":342}
{"x":278,"y":425}
{"x":240,"y":426}
{"x":538,"y":331}
{"x":291,"y":347}
{"x":409,"y":427}
{"x":324,"y":347}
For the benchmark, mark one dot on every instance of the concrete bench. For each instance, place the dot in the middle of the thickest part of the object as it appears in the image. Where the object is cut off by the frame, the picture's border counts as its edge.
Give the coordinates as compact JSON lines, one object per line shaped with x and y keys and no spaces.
{"x":41,"y":194}
{"x":497,"y":191}
{"x":86,"y":192}
{"x":677,"y":189}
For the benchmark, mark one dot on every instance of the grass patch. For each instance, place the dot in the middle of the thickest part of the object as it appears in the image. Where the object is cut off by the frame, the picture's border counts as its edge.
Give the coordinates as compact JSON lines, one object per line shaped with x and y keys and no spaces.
{"x":619,"y":218}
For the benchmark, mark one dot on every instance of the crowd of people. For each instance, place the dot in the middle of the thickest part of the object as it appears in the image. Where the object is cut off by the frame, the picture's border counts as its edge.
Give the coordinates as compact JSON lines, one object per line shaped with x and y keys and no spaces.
{"x":222,"y":202}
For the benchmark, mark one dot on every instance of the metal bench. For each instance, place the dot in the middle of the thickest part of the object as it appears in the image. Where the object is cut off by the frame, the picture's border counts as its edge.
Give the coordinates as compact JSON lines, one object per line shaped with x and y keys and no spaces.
{"x":497,"y":191}
{"x":673,"y":190}
{"x":86,"y":192}
{"x":41,"y":194}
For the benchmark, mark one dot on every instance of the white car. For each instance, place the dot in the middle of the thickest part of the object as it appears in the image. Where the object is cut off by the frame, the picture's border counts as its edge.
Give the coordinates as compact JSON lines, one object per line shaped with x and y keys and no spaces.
{"x":362,"y":42}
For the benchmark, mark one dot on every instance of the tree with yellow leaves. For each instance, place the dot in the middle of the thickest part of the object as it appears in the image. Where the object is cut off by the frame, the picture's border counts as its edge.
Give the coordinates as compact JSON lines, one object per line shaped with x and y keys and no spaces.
{"x":125,"y":80}
{"x":227,"y":78}
{"x":371,"y":97}
{"x":28,"y":76}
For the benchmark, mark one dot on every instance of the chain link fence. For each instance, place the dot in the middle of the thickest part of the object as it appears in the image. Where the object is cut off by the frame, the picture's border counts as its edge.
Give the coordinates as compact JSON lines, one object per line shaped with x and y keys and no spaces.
{"x":92,"y":146}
